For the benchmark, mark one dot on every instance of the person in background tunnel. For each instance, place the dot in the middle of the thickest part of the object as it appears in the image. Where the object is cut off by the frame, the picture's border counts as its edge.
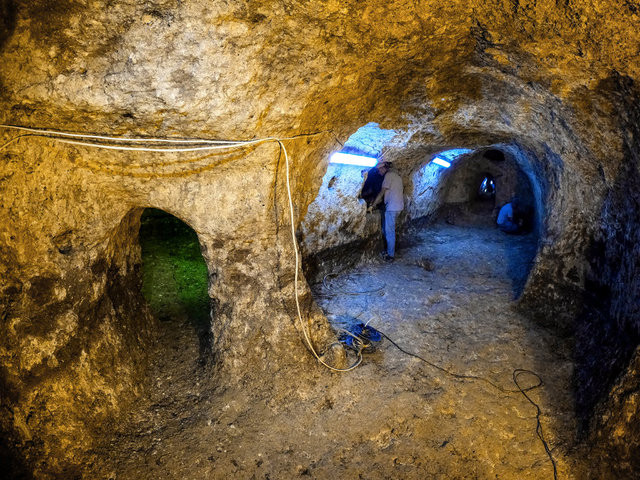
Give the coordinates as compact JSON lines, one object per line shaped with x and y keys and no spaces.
{"x":392,"y":193}
{"x":509,"y":219}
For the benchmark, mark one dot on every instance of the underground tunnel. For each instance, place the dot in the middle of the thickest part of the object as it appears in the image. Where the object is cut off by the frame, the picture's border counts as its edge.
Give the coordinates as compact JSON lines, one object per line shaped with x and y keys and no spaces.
{"x":192,"y":283}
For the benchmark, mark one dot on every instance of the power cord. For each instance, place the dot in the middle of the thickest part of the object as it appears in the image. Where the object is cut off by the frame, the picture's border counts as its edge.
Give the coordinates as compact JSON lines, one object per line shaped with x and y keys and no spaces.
{"x":516,"y":374}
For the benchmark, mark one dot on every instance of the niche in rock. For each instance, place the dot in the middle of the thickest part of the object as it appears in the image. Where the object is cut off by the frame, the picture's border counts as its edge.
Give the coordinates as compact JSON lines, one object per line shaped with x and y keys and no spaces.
{"x":336,"y":231}
{"x":175,"y":276}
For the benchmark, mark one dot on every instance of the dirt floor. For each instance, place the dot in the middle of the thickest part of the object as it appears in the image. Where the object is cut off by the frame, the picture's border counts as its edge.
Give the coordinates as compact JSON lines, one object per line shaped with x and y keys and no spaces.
{"x":449,"y":298}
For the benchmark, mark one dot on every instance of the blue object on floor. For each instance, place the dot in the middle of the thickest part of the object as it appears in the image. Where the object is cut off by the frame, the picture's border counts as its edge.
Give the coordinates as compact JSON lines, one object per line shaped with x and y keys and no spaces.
{"x":363,"y":337}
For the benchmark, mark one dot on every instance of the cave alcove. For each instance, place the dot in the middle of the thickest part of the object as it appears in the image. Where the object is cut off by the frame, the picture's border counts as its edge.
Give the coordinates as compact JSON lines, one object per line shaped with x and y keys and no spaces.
{"x":175,"y":276}
{"x":487,"y":188}
{"x":336,"y":232}
{"x":461,"y":202}
{"x":446,"y":189}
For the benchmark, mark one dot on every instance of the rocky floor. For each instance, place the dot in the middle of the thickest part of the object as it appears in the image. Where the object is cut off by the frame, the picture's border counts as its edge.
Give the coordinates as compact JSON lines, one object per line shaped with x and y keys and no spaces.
{"x":448,"y":297}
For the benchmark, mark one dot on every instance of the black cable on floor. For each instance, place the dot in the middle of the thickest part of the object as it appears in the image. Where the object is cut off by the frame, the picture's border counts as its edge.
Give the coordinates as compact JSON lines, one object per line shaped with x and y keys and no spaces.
{"x":516,"y":373}
{"x":463,"y":376}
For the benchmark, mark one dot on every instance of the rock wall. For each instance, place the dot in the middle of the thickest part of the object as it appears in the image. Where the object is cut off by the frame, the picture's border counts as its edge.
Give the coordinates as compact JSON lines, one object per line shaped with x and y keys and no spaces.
{"x":615,"y":430}
{"x":608,"y":330}
{"x":75,"y":329}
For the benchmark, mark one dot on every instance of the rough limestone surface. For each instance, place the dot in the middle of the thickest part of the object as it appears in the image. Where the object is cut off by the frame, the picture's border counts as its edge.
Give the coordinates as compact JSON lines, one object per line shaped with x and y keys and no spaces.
{"x":554,"y":83}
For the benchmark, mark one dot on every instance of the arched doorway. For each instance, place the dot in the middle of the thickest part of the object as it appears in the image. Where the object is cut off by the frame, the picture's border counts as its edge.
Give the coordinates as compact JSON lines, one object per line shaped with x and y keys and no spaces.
{"x":466,"y":189}
{"x":175,"y":276}
{"x":475,"y":189}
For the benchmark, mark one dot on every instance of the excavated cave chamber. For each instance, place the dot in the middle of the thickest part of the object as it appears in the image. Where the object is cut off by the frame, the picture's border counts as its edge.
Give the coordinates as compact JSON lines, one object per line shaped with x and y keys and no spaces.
{"x":551,"y":85}
{"x":454,"y":195}
{"x":337,"y":217}
{"x":586,"y":286}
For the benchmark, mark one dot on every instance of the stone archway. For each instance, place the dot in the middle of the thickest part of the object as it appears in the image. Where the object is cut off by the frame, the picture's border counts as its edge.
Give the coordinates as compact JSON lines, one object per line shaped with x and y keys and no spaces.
{"x":446,"y":189}
{"x":175,"y":276}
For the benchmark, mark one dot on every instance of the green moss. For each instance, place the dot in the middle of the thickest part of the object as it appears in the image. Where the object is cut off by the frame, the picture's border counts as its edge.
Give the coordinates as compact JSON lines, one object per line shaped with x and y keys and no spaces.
{"x":174,"y":274}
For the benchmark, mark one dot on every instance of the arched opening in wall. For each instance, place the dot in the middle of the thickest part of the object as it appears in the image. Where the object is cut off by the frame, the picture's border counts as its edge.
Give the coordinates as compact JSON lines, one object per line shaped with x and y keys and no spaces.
{"x":469,"y":192}
{"x":175,"y":282}
{"x":480,"y":184}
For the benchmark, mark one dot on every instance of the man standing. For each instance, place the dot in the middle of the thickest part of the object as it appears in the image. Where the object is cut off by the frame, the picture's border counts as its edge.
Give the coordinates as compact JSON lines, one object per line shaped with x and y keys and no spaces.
{"x":392,"y":193}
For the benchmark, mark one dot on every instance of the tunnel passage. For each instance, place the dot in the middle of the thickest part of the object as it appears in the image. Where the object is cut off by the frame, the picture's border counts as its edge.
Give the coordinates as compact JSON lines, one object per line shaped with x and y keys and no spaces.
{"x":445,"y":186}
{"x":464,"y":200}
{"x":467,"y":188}
{"x":174,"y":275}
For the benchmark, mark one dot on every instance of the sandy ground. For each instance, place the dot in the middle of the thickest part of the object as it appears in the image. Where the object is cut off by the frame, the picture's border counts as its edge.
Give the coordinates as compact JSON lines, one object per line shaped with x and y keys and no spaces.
{"x":394,"y":417}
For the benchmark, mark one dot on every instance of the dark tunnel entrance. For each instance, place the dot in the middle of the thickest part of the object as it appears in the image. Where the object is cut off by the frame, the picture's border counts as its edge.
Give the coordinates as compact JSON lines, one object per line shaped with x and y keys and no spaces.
{"x":175,"y":276}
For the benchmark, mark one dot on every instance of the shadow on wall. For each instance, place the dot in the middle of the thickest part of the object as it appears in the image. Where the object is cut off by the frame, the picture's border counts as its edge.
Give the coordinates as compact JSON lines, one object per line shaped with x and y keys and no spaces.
{"x":608,"y":331}
{"x":607,"y":348}
{"x":13,"y":465}
{"x":8,"y":14}
{"x":175,"y":275}
{"x":520,"y":257}
{"x":336,"y":230}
